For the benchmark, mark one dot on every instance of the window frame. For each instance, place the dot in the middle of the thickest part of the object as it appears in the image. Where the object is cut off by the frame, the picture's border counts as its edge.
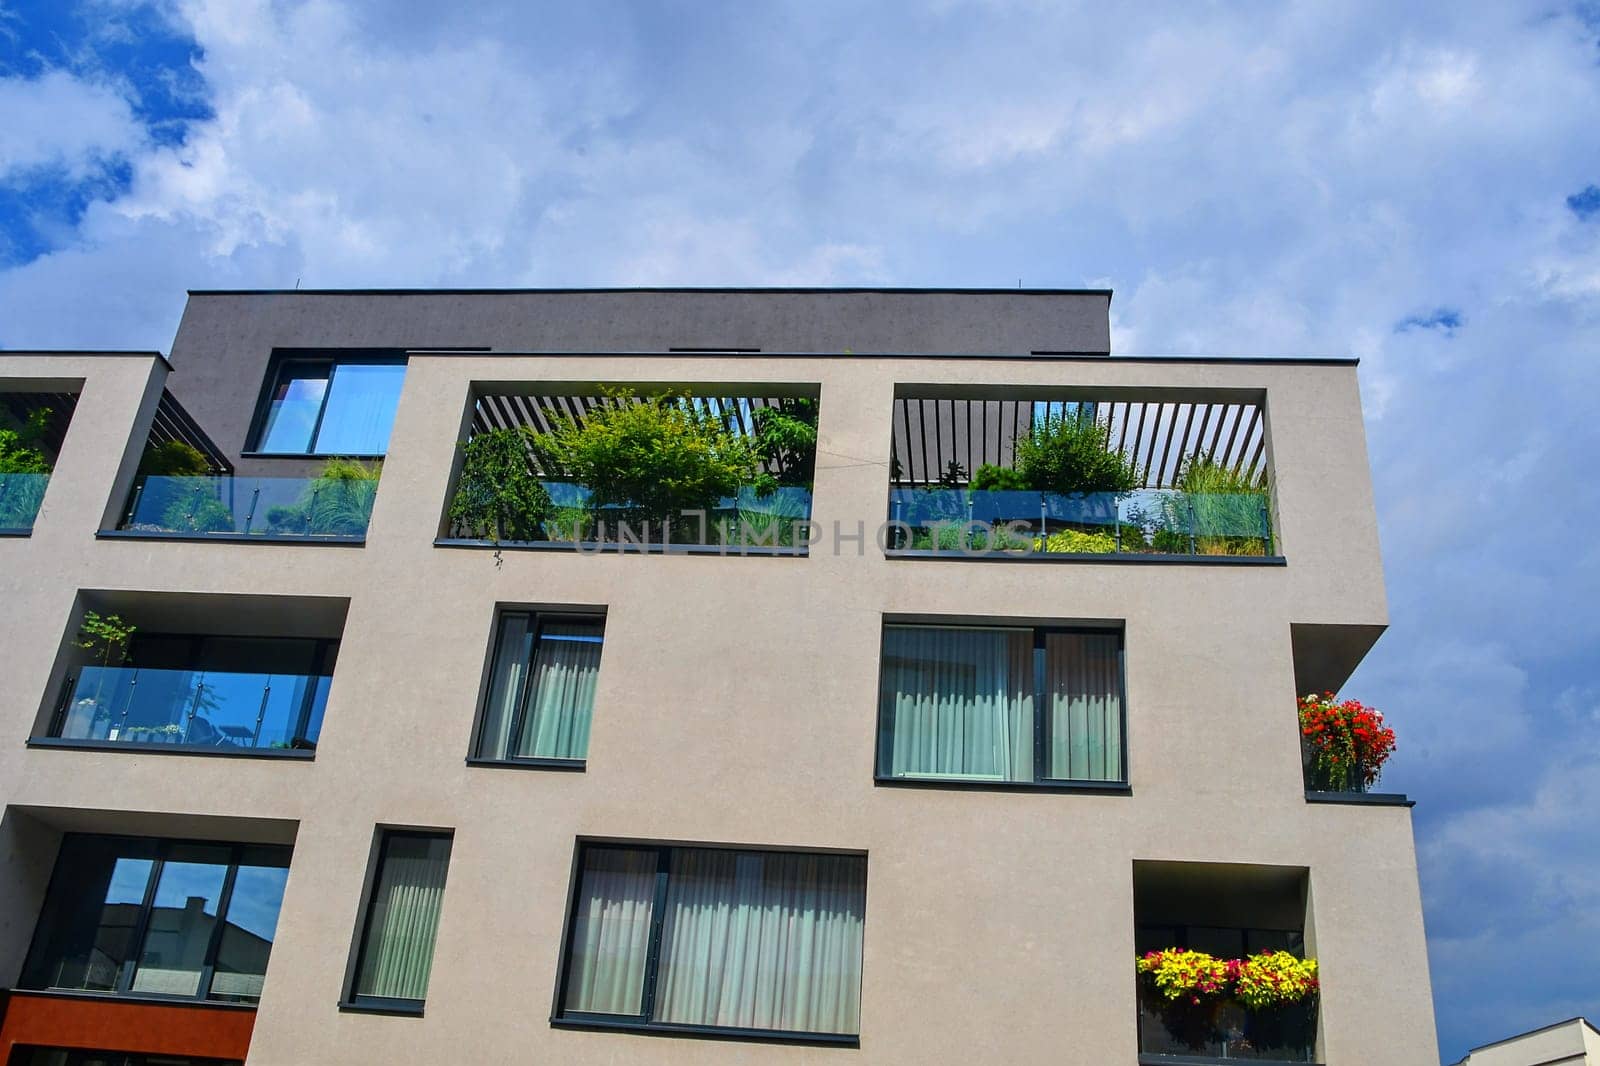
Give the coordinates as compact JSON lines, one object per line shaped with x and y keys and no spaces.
{"x":642,"y":1023}
{"x":159,"y":849}
{"x":331,"y":359}
{"x":352,"y":1001}
{"x":1041,"y":723}
{"x":538,"y":617}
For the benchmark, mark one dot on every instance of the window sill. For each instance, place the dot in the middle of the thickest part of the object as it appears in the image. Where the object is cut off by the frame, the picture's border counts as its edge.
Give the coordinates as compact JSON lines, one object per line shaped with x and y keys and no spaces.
{"x":68,"y":744}
{"x":707,"y":1032}
{"x":232,"y":538}
{"x":143,"y":999}
{"x":570,"y":765}
{"x":1093,"y":788}
{"x":17,"y":532}
{"x":619,"y":548}
{"x":1361,"y":799}
{"x":1141,"y":558}
{"x":398,"y":1008}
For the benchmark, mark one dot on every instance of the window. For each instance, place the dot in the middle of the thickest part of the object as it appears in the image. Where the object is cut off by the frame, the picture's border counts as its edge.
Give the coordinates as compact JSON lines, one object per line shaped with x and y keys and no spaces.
{"x":330,"y":406}
{"x":683,"y":938}
{"x":159,"y":917}
{"x":541,"y":688}
{"x":395,"y":952}
{"x":1001,"y":705}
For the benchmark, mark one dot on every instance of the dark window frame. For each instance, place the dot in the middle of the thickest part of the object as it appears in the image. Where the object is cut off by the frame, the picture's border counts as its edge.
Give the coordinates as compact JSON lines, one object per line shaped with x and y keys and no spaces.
{"x":324,"y":649}
{"x":284,"y":358}
{"x":353,"y":1001}
{"x":1041,"y":720}
{"x":560,"y":1018}
{"x":538,"y":617}
{"x":159,"y":849}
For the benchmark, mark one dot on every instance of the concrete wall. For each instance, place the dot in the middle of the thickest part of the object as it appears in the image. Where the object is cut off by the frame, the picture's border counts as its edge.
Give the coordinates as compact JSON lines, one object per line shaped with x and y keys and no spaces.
{"x":1570,"y":1043}
{"x":228,"y":338}
{"x":736,"y":704}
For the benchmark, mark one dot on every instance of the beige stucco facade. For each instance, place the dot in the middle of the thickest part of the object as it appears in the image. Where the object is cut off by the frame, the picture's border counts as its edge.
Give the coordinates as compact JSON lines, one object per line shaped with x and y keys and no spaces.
{"x":1570,"y":1043}
{"x":737,"y":704}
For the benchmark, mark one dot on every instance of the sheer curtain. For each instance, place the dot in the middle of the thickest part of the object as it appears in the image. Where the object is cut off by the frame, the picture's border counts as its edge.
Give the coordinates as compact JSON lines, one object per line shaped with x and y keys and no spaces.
{"x":404,"y":922}
{"x":958,"y":702}
{"x":1084,"y":677}
{"x":359,"y":412}
{"x":611,"y":931}
{"x":762,"y":941}
{"x":505,"y":687}
{"x":566,"y":663}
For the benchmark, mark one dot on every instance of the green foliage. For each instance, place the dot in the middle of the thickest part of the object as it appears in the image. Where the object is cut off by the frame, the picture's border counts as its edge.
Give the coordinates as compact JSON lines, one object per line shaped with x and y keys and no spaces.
{"x":954,"y":475}
{"x":991,"y":478}
{"x":570,"y":523}
{"x":498,"y":496}
{"x":1067,"y":454}
{"x":652,"y":459}
{"x":107,"y":635}
{"x":786,"y":436}
{"x":172,"y":458}
{"x":777,"y":522}
{"x":339,"y":500}
{"x":1226,"y":509}
{"x":19,"y":451}
{"x":20,"y":497}
{"x":194,"y":507}
{"x":1076,"y":542}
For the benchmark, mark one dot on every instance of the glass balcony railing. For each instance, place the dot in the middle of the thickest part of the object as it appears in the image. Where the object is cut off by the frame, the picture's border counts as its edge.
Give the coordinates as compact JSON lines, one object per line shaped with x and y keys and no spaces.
{"x":196,"y":708}
{"x":268,"y":507}
{"x":20,"y":497}
{"x":1141,"y":522}
{"x":1226,"y":1031}
{"x":747,"y":520}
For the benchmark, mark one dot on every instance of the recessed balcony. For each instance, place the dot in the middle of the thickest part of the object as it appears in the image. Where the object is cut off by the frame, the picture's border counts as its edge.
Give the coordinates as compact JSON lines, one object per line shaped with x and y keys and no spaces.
{"x":649,"y":467}
{"x":32,"y":426}
{"x":1020,"y":473}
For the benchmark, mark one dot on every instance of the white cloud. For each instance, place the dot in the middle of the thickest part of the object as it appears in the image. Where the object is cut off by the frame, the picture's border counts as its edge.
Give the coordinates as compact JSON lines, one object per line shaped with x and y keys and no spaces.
{"x":60,"y":122}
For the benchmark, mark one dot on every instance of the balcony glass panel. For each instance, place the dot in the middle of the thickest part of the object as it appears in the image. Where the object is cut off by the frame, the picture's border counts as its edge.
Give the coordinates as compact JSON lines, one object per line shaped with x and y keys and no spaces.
{"x":280,"y":507}
{"x":1140,"y":522}
{"x":209,"y":708}
{"x":20,"y":497}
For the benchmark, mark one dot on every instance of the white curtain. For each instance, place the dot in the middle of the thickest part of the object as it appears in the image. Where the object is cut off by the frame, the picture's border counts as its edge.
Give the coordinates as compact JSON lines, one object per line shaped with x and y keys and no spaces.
{"x":763,"y":941}
{"x":958,"y":702}
{"x":611,"y":931}
{"x":398,"y":953}
{"x":359,"y":412}
{"x":505,"y":687}
{"x":566,"y":663}
{"x":1084,"y":677}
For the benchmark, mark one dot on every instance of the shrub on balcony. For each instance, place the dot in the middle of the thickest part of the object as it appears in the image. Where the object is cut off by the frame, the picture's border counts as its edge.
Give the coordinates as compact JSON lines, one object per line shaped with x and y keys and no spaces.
{"x":172,"y":458}
{"x":649,"y":461}
{"x":498,"y":496}
{"x":1346,"y":743}
{"x":194,"y":507}
{"x":1226,"y":507}
{"x":991,"y":478}
{"x":785,"y":437}
{"x":1068,"y":454}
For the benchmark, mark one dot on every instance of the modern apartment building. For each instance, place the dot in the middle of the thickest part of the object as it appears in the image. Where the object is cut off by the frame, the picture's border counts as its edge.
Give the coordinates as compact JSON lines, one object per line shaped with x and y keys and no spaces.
{"x":885,"y":754}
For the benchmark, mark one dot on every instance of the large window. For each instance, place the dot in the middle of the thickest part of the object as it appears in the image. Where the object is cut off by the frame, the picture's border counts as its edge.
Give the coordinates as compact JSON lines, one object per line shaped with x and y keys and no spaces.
{"x":330,"y":406}
{"x":134,"y":915}
{"x":395,"y":951}
{"x":714,"y":938}
{"x":1001,"y":705}
{"x":541,"y":688}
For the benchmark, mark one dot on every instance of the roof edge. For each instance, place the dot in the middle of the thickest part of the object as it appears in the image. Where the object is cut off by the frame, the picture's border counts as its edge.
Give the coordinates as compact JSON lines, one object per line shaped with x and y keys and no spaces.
{"x":1022,"y":357}
{"x":1532,"y":1032}
{"x":702,"y":290}
{"x":139,"y":353}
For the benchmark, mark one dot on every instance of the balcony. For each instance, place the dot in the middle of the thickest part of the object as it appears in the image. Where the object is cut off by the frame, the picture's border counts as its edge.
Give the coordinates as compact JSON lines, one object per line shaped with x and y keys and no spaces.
{"x":333,"y":506}
{"x":685,"y":469}
{"x":1256,"y":999}
{"x":32,"y":427}
{"x":212,"y":675}
{"x":1033,"y":474}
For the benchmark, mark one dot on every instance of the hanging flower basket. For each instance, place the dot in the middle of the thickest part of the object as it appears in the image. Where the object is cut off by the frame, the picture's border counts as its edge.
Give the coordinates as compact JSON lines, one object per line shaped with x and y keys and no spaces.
{"x":1242,"y":1006}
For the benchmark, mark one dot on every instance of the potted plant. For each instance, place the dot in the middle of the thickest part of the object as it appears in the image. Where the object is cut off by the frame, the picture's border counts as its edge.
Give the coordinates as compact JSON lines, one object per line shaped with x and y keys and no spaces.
{"x":1185,"y":989}
{"x":1236,"y":1007}
{"x":1344,"y":743}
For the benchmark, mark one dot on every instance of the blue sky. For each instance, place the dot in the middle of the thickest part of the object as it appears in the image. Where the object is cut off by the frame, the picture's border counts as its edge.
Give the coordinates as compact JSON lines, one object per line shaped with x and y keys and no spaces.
{"x":1417,"y":185}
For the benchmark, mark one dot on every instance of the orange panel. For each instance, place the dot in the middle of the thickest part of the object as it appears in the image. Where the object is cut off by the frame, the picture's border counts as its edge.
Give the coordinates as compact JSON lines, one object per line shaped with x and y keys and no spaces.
{"x":199,"y":1030}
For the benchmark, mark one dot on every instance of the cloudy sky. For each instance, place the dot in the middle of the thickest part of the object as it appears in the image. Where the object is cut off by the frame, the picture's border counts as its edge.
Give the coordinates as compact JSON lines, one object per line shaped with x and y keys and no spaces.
{"x":1420,"y":188}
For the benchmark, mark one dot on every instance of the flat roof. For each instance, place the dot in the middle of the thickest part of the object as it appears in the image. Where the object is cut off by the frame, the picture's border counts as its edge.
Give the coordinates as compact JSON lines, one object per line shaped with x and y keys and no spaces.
{"x":701,"y":290}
